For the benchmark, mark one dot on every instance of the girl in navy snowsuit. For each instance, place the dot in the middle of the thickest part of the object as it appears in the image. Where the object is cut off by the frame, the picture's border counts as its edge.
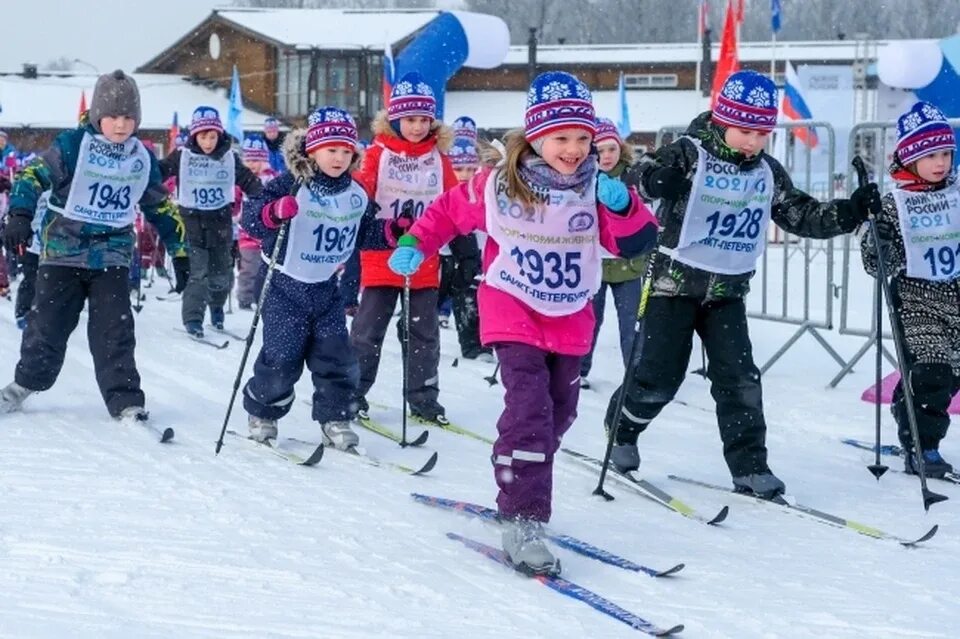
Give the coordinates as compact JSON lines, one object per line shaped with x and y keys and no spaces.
{"x":329,"y":216}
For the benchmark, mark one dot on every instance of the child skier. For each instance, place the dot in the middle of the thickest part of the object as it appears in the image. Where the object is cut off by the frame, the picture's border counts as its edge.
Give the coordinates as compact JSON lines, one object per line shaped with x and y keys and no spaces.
{"x":719,"y":192}
{"x":622,"y":276}
{"x":207,"y":170}
{"x":547,"y":213}
{"x":98,"y":173}
{"x":923,"y":213}
{"x":404,"y":170}
{"x":256,"y":158}
{"x":303,"y":316}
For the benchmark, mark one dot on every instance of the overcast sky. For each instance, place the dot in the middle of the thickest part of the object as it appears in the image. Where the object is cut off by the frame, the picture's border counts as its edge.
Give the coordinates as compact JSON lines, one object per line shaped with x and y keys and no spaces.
{"x":108,"y":34}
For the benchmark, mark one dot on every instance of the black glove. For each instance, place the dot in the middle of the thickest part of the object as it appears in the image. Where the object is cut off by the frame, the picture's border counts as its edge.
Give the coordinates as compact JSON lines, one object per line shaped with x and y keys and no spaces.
{"x":402,"y":223}
{"x":864,"y":202}
{"x":181,"y":273}
{"x":666,"y":182}
{"x":466,"y":274}
{"x":18,"y":231}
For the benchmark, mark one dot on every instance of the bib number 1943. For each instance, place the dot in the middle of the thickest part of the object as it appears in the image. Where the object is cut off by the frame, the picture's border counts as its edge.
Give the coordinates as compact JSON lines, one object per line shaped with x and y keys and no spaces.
{"x":550,"y":269}
{"x":105,"y":196}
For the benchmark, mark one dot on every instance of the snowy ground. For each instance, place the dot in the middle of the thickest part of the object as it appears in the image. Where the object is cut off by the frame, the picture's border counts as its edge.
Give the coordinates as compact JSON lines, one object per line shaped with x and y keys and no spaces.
{"x":105,"y":534}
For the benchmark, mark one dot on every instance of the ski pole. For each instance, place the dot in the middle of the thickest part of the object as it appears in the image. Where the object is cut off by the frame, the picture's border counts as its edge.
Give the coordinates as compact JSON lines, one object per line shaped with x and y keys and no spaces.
{"x":405,"y":304}
{"x":492,"y":379}
{"x":929,"y":497}
{"x":877,"y":468}
{"x":281,"y":236}
{"x":627,"y":377}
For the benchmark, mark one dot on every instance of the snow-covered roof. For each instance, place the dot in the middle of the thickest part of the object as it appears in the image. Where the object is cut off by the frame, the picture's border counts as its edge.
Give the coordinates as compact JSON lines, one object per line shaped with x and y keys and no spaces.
{"x":53,"y":102}
{"x":649,"y":110}
{"x":330,"y":28}
{"x":690,"y":52}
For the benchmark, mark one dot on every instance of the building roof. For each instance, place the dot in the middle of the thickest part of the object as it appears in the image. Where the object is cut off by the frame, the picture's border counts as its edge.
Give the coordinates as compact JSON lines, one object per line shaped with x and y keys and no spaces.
{"x":690,"y":52}
{"x":53,"y":102}
{"x":329,"y":28}
{"x":649,"y":110}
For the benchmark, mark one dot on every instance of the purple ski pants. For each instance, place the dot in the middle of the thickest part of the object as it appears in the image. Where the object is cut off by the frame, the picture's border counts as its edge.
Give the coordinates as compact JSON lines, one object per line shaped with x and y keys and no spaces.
{"x":540,"y":405}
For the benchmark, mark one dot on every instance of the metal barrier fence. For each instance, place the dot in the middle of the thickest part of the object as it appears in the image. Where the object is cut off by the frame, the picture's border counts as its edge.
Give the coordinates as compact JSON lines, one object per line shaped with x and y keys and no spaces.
{"x":791,"y":248}
{"x":870,"y":138}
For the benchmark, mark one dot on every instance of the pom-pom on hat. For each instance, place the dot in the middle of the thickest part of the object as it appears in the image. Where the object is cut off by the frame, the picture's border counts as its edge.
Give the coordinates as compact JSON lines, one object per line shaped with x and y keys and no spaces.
{"x":921,"y":131}
{"x":115,"y":94}
{"x":463,"y":153}
{"x":330,"y":126}
{"x":558,"y":100}
{"x":205,"y":118}
{"x":411,"y":97}
{"x":254,"y":149}
{"x":748,"y":100}
{"x":606,"y":130}
{"x":465,"y":127}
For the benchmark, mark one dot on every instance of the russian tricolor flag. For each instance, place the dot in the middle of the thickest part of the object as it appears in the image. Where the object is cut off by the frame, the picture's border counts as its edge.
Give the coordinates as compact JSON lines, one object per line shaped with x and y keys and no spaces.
{"x":795,"y":108}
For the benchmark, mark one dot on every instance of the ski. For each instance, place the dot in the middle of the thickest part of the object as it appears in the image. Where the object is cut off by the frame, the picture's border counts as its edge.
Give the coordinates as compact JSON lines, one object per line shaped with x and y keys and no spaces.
{"x":817,"y":515}
{"x":164,"y":435}
{"x":892,"y":450}
{"x":383,"y":431}
{"x":312,"y":460}
{"x":168,"y":298}
{"x":223,"y":331}
{"x":366,"y":458}
{"x":204,"y":340}
{"x":564,"y":541}
{"x":448,"y":426}
{"x":572,"y":590}
{"x":636,"y":483}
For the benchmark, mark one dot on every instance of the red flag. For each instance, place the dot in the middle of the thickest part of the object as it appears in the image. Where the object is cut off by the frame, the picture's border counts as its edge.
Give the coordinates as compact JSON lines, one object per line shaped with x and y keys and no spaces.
{"x":728,"y":63}
{"x":83,"y":104}
{"x":172,"y":134}
{"x":740,"y":10}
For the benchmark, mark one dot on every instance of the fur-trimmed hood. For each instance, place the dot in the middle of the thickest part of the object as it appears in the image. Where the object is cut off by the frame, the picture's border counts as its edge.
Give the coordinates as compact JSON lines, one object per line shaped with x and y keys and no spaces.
{"x":297,"y":160}
{"x":438,"y":130}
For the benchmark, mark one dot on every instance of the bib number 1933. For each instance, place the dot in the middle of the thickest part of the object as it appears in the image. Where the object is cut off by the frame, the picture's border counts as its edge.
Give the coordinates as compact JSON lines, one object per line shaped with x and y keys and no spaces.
{"x":550,"y":269}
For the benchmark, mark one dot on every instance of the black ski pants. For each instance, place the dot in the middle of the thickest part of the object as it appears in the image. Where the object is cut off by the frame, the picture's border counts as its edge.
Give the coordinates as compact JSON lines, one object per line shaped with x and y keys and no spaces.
{"x":29,"y":263}
{"x":669,"y":325}
{"x":61,"y":293}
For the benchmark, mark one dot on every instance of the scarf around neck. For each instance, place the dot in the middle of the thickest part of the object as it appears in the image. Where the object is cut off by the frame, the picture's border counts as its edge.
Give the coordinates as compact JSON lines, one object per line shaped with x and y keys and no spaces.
{"x":535,"y":171}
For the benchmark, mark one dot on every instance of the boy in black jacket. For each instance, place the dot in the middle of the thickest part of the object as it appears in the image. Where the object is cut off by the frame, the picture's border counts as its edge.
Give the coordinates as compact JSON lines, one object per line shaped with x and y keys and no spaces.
{"x":207,"y":170}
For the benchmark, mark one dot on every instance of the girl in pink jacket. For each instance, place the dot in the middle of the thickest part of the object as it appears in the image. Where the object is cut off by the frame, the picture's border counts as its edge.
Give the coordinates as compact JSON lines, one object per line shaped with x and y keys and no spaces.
{"x":547,"y":212}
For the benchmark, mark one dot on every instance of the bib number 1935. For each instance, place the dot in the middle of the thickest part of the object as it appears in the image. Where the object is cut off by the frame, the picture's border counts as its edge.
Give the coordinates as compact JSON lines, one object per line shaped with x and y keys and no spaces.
{"x":550,"y":269}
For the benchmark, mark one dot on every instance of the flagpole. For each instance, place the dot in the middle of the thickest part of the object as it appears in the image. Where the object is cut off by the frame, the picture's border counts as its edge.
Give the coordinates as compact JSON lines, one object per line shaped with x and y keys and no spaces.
{"x":773,"y":57}
{"x":700,"y":8}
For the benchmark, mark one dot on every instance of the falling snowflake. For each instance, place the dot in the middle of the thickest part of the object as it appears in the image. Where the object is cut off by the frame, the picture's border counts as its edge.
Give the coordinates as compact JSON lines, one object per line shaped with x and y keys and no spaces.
{"x":424,"y":89}
{"x":733,"y":90}
{"x":911,"y":121}
{"x":931,"y":112}
{"x":555,"y":91}
{"x":759,"y":97}
{"x":403,"y":88}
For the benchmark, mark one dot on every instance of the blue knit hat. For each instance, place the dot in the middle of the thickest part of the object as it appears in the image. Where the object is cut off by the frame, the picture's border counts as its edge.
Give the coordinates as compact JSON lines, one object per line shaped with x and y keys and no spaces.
{"x":254,"y":149}
{"x":465,"y":127}
{"x":558,"y":100}
{"x":271,"y":124}
{"x":411,"y":97}
{"x":330,"y":126}
{"x":182,"y":138}
{"x":748,"y":100}
{"x":921,"y":131}
{"x":205,"y":118}
{"x":463,"y":153}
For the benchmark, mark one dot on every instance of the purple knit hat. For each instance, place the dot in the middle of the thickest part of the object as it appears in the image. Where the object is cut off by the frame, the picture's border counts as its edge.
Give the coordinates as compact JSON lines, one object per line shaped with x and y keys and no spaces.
{"x":330,"y":126}
{"x":748,"y":100}
{"x":558,"y":100}
{"x":254,"y":149}
{"x":921,"y":131}
{"x":205,"y":118}
{"x":606,"y":130}
{"x":411,"y":97}
{"x":463,"y":153}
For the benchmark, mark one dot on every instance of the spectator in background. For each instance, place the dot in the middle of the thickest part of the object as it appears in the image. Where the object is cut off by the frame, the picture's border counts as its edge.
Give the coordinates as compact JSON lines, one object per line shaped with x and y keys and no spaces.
{"x":274,"y":138}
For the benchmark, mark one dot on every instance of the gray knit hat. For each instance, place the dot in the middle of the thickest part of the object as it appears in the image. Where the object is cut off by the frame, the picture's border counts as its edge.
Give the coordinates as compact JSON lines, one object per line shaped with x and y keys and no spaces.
{"x":115,"y":94}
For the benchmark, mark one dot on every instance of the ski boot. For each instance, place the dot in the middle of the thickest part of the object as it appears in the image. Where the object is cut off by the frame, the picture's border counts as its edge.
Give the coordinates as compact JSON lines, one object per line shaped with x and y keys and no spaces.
{"x":431,"y":412}
{"x":339,"y":435}
{"x":216,"y":318}
{"x":363,"y":408}
{"x":133,"y":414}
{"x":261,"y":429}
{"x":584,"y":383}
{"x":523,"y":543}
{"x":763,"y":485}
{"x":12,"y":397}
{"x":625,"y":457}
{"x":934,"y":465}
{"x":194,"y":329}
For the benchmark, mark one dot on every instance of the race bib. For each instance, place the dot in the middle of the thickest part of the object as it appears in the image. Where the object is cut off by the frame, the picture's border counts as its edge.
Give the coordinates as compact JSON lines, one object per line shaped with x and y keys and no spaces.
{"x":323,"y":234}
{"x":206,"y":183}
{"x":413,"y":182}
{"x":930,"y":225}
{"x":550,"y":254}
{"x":109,"y":179}
{"x":726,"y":218}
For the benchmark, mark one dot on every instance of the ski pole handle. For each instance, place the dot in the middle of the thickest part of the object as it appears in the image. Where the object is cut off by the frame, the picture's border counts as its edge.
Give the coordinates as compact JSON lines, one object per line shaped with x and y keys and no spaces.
{"x":861,"y":169}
